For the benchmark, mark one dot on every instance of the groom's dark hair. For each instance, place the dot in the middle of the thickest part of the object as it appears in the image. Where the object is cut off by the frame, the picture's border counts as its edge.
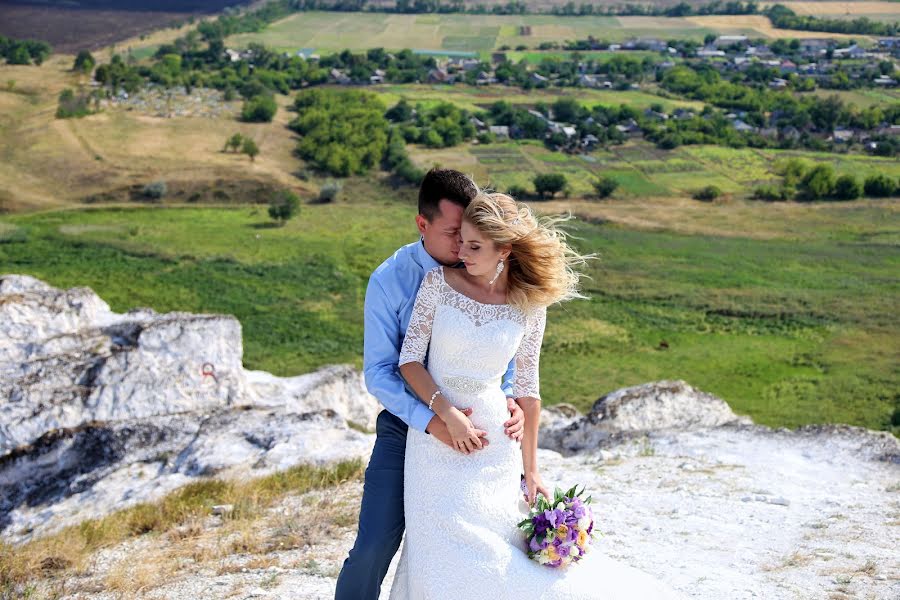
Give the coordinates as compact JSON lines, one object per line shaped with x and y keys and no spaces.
{"x":444,"y":184}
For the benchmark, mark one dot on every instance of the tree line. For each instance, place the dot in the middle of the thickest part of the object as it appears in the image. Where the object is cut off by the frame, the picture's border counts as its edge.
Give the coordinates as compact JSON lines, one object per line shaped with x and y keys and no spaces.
{"x":783,"y":17}
{"x":24,"y":52}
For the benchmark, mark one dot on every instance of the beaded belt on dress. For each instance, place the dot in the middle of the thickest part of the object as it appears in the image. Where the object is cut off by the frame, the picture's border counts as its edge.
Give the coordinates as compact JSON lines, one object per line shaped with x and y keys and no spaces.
{"x":465,"y":384}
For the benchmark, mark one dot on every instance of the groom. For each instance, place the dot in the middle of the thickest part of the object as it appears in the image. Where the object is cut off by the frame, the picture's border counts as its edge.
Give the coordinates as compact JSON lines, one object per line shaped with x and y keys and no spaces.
{"x":390,"y":296}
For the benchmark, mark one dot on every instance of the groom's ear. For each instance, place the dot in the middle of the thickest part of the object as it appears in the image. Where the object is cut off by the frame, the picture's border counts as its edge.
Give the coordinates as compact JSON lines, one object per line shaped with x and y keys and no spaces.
{"x":421,"y":223}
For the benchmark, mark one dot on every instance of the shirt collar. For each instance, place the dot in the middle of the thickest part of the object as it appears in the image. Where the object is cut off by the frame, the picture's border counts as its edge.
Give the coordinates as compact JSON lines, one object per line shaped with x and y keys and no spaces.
{"x":425,"y":260}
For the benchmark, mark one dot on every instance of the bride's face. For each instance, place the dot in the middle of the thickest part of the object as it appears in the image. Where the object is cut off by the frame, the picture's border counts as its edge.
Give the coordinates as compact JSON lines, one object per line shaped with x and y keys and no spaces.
{"x":478,"y":252}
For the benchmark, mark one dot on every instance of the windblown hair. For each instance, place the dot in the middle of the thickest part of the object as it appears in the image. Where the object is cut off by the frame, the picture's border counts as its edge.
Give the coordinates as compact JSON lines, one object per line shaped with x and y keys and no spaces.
{"x":541,"y":263}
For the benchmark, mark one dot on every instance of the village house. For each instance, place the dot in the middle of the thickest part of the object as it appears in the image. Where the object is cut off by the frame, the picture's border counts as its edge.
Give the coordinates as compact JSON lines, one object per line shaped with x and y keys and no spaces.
{"x":841,"y":136}
{"x":630,"y":128}
{"x":485,"y":78}
{"x":709,"y":52}
{"x":815,"y":46}
{"x":339,"y":77}
{"x":729,"y":40}
{"x":499,"y":131}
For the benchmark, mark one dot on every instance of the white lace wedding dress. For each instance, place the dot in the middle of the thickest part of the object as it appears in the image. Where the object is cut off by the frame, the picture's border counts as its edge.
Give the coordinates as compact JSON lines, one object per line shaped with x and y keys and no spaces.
{"x":461,"y":511}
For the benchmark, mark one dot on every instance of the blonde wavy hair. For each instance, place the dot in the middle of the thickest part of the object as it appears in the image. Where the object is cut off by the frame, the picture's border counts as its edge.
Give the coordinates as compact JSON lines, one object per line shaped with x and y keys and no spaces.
{"x":541,"y":263}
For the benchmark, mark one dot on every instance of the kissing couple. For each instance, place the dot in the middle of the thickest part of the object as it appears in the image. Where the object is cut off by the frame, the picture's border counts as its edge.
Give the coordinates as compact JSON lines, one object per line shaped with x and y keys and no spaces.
{"x":453,"y":330}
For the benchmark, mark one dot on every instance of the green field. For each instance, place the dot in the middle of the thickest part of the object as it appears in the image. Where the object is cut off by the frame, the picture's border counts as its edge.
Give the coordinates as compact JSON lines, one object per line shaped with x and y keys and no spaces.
{"x":788,"y":332}
{"x":863,"y":98}
{"x":641,"y":169}
{"x":329,"y":31}
{"x":477,"y":98}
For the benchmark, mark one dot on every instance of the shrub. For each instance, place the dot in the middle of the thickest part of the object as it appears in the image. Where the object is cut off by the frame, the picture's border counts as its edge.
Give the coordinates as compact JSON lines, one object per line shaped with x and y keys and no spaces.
{"x":155,"y":190}
{"x":485,"y":137}
{"x":517,"y":191}
{"x":234,"y":142}
{"x":409,"y":172}
{"x":847,"y":188}
{"x":259,"y":109}
{"x":818,"y":183}
{"x":284,"y":205}
{"x":330,"y":191}
{"x":771,"y":193}
{"x":707,"y":193}
{"x":879,"y":186}
{"x":605,"y":186}
{"x":84,"y":62}
{"x":250,"y":148}
{"x":72,"y":105}
{"x":549,"y":183}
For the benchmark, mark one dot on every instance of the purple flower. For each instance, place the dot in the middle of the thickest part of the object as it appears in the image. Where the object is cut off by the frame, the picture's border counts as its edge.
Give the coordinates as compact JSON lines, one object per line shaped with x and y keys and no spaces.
{"x":541,"y":523}
{"x":563,"y":550}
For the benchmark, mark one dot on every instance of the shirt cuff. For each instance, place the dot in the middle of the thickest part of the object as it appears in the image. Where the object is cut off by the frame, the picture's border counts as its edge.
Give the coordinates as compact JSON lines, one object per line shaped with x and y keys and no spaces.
{"x":421,"y":417}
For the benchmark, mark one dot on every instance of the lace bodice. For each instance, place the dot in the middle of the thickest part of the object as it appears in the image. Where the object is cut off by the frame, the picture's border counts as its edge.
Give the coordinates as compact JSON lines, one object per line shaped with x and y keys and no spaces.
{"x":470,"y":343}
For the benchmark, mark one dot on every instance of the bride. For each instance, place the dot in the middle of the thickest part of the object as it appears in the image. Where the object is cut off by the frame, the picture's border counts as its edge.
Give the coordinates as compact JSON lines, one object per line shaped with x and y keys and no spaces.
{"x":462,"y":506}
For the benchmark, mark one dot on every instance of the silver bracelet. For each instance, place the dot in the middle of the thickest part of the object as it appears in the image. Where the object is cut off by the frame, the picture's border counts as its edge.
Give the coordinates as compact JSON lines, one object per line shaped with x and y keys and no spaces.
{"x":433,"y":396}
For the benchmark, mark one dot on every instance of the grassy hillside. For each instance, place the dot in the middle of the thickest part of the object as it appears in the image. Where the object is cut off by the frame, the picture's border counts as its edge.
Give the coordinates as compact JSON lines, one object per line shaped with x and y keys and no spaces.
{"x":52,"y":162}
{"x":788,"y":332}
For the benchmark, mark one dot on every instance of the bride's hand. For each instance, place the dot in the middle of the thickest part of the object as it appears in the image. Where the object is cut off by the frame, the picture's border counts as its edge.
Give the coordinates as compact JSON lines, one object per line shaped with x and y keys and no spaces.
{"x":534,"y":486}
{"x":465,"y":437}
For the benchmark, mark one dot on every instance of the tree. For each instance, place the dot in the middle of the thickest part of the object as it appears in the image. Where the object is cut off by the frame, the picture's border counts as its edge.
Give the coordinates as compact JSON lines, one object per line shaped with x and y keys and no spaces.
{"x":707,"y":193}
{"x":605,"y":186}
{"x":847,"y":188}
{"x":250,"y":148}
{"x":18,"y":56}
{"x":566,"y":110}
{"x":342,"y":132}
{"x":549,"y":183}
{"x":284,"y":205}
{"x":879,"y":186}
{"x":400,"y":112}
{"x":84,"y":62}
{"x":259,"y":109}
{"x":234,"y":142}
{"x":818,"y":183}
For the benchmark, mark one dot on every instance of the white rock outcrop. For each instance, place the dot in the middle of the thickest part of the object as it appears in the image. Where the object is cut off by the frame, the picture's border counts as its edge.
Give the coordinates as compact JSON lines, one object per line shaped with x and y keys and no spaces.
{"x":89,"y":397}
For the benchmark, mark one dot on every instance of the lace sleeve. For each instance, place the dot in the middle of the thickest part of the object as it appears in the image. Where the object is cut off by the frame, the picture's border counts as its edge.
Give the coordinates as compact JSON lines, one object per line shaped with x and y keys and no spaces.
{"x":528,"y":356}
{"x":418,"y":333}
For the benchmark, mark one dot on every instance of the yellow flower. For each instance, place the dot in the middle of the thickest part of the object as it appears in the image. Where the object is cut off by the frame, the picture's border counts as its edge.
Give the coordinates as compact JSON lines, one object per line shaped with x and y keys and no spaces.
{"x":551,"y":553}
{"x":582,"y":539}
{"x":562,"y":529}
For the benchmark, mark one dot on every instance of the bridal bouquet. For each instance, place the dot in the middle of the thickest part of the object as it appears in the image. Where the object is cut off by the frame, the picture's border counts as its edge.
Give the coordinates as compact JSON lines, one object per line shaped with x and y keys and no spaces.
{"x":558,"y":532}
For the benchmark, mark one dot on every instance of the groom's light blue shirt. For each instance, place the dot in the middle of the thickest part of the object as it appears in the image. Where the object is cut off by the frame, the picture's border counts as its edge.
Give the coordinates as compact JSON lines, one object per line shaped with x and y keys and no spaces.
{"x":390,"y":297}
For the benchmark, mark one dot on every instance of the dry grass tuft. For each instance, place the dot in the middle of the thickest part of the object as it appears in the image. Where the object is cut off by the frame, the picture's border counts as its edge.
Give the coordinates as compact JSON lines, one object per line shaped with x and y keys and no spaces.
{"x":179,"y":518}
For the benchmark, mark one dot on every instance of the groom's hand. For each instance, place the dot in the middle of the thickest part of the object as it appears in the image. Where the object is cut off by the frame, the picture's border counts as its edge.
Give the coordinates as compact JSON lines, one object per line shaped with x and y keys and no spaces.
{"x":438,"y":429}
{"x":515,"y":426}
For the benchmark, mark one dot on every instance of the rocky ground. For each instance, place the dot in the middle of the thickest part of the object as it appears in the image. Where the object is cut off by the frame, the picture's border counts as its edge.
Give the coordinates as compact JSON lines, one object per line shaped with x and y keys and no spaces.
{"x":91,"y":421}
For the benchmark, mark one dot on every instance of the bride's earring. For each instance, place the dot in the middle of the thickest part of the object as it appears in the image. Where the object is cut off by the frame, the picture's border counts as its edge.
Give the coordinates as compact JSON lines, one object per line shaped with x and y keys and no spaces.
{"x":497,"y":274}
